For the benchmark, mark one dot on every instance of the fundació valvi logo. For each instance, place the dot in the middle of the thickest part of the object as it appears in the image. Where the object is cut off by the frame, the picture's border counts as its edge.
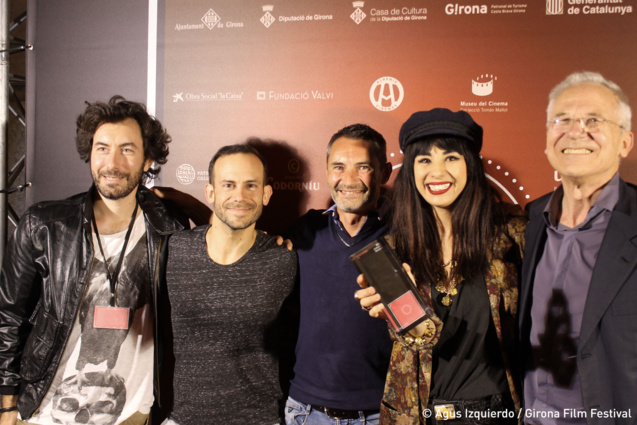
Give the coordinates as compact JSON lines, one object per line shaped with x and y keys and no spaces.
{"x":386,"y":94}
{"x":554,"y":7}
{"x":267,"y":19}
{"x":358,"y":15}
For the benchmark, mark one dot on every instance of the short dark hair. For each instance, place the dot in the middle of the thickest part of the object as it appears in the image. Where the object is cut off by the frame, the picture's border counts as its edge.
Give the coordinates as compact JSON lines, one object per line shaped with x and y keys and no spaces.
{"x":118,"y":109}
{"x":235,"y":149}
{"x":363,"y":132}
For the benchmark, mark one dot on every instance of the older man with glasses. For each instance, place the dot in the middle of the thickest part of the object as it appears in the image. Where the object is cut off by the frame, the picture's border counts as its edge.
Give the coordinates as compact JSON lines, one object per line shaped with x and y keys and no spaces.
{"x":578,"y":320}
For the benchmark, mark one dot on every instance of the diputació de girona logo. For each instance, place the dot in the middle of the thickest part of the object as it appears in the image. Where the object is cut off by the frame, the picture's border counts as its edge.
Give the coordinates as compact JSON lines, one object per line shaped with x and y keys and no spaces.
{"x":267,"y":19}
{"x":386,"y":94}
{"x":185,"y":174}
{"x":358,"y":15}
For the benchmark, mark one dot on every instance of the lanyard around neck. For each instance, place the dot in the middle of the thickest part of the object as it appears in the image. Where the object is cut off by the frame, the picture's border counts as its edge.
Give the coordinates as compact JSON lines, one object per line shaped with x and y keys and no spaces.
{"x":112,"y":278}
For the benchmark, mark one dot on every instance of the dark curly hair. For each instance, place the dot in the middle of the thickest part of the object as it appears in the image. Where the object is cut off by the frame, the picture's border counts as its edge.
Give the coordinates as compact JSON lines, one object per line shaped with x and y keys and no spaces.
{"x":118,"y":109}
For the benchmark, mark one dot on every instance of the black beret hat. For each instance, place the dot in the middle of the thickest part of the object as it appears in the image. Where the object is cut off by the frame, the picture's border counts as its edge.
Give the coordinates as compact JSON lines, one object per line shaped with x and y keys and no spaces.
{"x":440,"y":122}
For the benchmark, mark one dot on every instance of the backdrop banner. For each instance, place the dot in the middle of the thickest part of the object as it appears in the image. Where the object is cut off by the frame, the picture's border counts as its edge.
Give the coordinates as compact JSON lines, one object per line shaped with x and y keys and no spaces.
{"x":292,"y":73}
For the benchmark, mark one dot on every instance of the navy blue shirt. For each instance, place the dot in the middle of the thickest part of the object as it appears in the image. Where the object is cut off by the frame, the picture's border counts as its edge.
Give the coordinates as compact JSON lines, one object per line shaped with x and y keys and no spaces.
{"x":342,"y":353}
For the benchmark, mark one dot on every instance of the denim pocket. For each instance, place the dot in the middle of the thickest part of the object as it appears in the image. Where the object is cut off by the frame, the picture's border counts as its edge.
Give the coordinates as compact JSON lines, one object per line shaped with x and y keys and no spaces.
{"x":295,"y":412}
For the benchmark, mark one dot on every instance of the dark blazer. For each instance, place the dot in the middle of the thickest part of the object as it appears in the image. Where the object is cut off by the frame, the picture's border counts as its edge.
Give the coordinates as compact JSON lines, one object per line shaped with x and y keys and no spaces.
{"x":607,"y":348}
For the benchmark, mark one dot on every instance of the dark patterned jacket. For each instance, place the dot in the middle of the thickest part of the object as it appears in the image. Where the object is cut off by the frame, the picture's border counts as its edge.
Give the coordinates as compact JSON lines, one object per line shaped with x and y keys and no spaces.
{"x":410,"y":370}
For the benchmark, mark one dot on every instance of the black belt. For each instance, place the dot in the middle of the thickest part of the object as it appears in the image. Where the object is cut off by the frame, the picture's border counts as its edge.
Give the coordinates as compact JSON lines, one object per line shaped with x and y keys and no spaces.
{"x":344,"y":414}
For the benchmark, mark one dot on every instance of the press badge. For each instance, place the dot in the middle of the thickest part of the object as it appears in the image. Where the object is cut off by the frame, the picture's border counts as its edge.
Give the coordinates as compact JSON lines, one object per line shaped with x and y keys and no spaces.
{"x":110,"y":317}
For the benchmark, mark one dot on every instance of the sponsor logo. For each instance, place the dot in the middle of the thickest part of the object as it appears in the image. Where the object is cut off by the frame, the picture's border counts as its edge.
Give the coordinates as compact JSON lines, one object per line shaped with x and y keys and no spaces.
{"x":398,"y":14}
{"x":267,"y":19}
{"x":207,"y":96}
{"x":294,"y":166}
{"x":185,"y":174}
{"x":459,"y":9}
{"x":294,"y":95}
{"x":358,"y":15}
{"x":386,"y":94}
{"x":210,"y":19}
{"x":554,"y":7}
{"x":597,"y":7}
{"x":482,"y":9}
{"x":483,"y":85}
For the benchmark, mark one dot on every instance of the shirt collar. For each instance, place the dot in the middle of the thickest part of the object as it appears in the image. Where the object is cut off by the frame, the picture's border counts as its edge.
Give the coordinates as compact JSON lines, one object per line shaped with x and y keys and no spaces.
{"x":373,"y":216}
{"x":606,"y":201}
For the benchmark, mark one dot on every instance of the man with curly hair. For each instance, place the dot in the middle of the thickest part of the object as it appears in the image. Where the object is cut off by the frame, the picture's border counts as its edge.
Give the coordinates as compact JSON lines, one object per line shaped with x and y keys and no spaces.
{"x":81,"y":283}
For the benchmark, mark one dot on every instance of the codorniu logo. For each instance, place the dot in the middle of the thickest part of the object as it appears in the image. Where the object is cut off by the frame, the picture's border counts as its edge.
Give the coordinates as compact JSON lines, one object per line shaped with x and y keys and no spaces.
{"x":483,"y":85}
{"x":358,"y":15}
{"x":210,"y":19}
{"x":554,"y":7}
{"x":267,"y":19}
{"x":386,"y":94}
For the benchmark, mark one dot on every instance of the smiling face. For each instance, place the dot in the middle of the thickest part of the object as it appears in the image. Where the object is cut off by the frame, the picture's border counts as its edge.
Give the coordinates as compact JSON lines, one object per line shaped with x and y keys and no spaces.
{"x":354,"y":175}
{"x":440,"y":177}
{"x":238,"y":191}
{"x":580,"y":156}
{"x":117,"y":159}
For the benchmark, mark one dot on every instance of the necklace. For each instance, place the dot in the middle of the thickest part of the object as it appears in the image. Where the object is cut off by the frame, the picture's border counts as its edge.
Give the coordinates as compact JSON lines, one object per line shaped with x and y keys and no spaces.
{"x":449,"y":289}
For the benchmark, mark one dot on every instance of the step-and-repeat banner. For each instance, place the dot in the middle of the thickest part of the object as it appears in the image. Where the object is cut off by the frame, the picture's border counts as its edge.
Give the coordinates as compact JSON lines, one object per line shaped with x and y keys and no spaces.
{"x":293,"y":73}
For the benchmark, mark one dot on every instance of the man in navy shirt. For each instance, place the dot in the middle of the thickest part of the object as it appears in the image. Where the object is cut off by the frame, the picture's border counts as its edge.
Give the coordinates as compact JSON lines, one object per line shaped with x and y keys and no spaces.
{"x":342,"y":353}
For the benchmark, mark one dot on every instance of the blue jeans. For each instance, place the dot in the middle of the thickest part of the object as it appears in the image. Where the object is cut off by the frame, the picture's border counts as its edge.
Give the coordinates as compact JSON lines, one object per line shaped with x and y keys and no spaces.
{"x":297,"y":413}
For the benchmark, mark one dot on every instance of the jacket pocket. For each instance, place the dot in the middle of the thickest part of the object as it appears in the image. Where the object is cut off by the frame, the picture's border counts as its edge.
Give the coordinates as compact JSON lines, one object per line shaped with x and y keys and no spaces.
{"x":37,"y":352}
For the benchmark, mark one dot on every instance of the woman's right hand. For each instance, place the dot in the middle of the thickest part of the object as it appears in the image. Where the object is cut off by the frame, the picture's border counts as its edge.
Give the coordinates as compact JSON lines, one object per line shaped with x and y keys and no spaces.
{"x":369,"y":299}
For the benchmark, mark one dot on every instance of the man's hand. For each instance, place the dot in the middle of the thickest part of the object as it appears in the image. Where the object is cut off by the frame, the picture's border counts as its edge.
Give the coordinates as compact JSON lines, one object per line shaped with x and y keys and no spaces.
{"x":288,"y":243}
{"x":194,"y":209}
{"x":369,"y":299}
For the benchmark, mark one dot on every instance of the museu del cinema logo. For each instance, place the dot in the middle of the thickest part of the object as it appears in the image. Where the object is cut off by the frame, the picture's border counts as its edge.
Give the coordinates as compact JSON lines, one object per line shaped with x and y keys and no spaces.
{"x":386,"y":94}
{"x":483,"y":85}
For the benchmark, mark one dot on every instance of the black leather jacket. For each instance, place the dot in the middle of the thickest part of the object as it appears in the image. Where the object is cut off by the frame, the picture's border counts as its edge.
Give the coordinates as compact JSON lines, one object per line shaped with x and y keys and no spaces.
{"x":46,"y":267}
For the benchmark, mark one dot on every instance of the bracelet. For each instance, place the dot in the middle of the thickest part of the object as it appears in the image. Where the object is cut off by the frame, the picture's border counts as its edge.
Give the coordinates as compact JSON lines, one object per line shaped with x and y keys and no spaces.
{"x":8,"y":409}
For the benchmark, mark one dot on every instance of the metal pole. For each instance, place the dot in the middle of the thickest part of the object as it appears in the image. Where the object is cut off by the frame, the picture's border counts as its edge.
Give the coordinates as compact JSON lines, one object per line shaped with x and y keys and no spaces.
{"x":4,"y":108}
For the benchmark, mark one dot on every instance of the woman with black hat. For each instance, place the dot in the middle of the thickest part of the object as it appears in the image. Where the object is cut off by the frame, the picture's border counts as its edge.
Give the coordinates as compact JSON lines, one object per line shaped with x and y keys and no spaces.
{"x":464,"y":248}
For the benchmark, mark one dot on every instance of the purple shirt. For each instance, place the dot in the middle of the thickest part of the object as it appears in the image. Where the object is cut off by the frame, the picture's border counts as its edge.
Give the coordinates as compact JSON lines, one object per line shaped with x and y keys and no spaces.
{"x":560,"y":288}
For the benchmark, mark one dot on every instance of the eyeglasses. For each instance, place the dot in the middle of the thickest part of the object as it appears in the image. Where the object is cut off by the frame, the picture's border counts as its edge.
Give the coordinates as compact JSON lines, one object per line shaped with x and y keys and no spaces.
{"x":590,"y":125}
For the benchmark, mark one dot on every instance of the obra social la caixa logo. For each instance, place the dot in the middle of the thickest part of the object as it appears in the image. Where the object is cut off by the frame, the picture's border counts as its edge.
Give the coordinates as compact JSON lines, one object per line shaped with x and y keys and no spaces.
{"x":386,"y":94}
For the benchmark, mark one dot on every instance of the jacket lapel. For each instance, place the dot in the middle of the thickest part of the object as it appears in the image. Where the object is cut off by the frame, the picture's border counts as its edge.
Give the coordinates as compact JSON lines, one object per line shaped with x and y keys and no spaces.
{"x":616,"y":260}
{"x":535,"y":235}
